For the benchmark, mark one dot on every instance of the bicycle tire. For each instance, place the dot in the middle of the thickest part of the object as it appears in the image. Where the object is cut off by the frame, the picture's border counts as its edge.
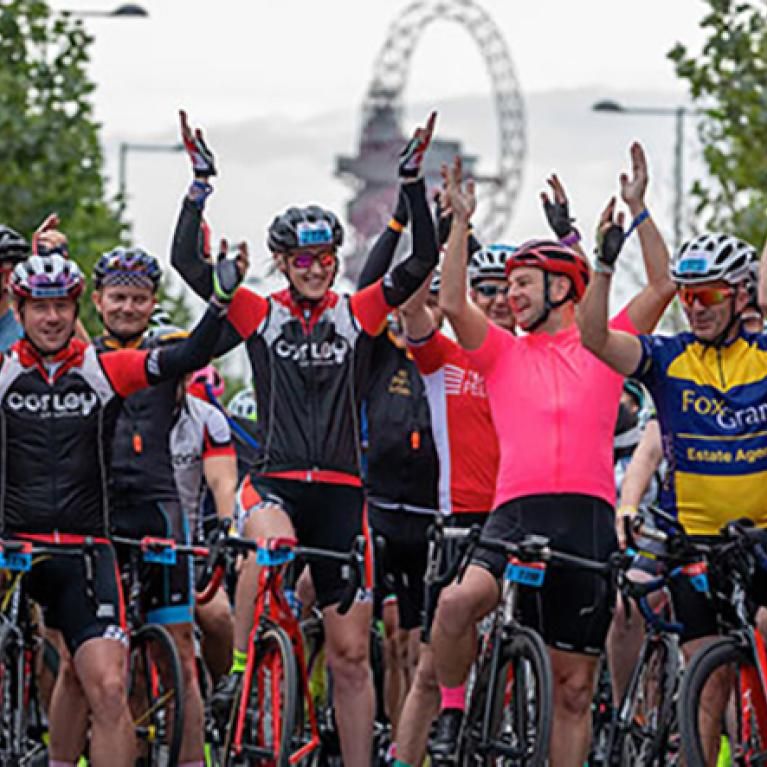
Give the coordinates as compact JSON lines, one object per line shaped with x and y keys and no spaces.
{"x":515,"y":737}
{"x":157,"y":704}
{"x":724,"y":652}
{"x":13,"y":718}
{"x":651,"y":711}
{"x":274,"y":670}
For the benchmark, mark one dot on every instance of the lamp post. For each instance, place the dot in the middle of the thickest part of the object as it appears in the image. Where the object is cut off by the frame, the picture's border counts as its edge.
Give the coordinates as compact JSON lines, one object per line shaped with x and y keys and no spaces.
{"x":678,"y":113}
{"x":126,"y":10}
{"x":122,"y":170}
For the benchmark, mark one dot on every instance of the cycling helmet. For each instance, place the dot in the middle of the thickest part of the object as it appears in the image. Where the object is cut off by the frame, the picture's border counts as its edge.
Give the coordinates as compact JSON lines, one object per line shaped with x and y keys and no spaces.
{"x":243,"y":405}
{"x":304,"y":227}
{"x":160,"y":317}
{"x":753,"y":282}
{"x":47,"y":277}
{"x":132,"y":267}
{"x":710,"y":257}
{"x":206,"y":381}
{"x":165,"y":334}
{"x":13,"y":247}
{"x":553,"y":258}
{"x":436,"y":281}
{"x":489,"y":263}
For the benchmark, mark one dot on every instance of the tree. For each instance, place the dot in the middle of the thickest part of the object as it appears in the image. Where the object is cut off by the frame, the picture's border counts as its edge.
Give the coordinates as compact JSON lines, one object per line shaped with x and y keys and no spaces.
{"x":728,"y":80}
{"x":50,"y":154}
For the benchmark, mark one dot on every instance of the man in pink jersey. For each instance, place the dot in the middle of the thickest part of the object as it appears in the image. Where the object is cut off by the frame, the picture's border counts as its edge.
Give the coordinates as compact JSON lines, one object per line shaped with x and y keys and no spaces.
{"x":466,"y":445}
{"x":554,"y":408}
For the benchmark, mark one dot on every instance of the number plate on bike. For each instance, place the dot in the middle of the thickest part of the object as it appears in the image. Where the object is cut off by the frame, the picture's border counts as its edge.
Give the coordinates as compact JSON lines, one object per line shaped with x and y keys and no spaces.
{"x":272,"y":557}
{"x":697,"y":573}
{"x":15,"y":560}
{"x":526,"y":573}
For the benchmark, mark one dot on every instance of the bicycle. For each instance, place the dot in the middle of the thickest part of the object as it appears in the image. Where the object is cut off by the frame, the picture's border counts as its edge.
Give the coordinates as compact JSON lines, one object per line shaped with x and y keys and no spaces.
{"x":737,"y":658}
{"x":156,"y":684}
{"x":272,"y":719}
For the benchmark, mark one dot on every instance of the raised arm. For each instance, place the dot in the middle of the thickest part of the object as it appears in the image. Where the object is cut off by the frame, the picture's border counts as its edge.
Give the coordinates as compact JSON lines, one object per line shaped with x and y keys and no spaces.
{"x":621,"y":351}
{"x":557,"y":210}
{"x":469,"y":323}
{"x":380,"y":256}
{"x":416,"y":316}
{"x":647,"y":307}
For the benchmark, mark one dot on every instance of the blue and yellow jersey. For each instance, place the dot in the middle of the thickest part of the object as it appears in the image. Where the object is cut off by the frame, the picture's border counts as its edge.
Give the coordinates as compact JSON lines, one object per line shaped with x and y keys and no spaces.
{"x":712,"y":408}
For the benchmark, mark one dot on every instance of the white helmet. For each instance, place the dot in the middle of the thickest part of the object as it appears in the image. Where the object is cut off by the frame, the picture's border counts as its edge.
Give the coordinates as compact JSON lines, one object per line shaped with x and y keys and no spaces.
{"x":243,"y":405}
{"x":712,"y":257}
{"x":489,"y":263}
{"x":436,"y":281}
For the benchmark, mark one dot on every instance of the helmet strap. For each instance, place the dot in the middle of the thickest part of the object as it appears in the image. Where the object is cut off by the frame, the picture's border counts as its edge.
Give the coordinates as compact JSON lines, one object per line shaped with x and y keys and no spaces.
{"x":548,"y":304}
{"x":719,"y":341}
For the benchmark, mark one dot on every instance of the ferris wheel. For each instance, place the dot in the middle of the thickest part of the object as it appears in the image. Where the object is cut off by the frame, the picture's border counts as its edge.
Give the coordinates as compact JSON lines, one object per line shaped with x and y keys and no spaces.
{"x":392,"y":66}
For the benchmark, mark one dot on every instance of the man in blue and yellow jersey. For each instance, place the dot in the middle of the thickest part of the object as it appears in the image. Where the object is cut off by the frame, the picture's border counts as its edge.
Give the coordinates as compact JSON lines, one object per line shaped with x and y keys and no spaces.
{"x":710,"y":390}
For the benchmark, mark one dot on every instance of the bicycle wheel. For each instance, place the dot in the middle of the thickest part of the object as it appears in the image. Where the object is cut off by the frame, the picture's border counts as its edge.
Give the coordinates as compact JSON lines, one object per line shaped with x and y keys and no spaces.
{"x":520,"y":707}
{"x":650,"y":707}
{"x":156,"y":695}
{"x":726,"y":663}
{"x":271,"y":700}
{"x":13,"y":717}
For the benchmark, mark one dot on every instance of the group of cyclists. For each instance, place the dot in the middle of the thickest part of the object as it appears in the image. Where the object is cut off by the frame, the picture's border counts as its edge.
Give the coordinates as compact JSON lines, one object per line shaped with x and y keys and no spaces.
{"x":375,"y":419}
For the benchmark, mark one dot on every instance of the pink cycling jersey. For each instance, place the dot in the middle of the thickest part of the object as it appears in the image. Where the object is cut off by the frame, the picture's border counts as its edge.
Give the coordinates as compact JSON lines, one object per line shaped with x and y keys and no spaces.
{"x":554,"y":407}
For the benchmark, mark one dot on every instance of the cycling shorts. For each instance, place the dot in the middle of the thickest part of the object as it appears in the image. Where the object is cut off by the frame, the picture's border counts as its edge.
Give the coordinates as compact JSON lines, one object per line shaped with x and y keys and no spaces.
{"x":324,"y":516}
{"x":573,"y":609}
{"x":167,"y":594}
{"x":59,"y":585}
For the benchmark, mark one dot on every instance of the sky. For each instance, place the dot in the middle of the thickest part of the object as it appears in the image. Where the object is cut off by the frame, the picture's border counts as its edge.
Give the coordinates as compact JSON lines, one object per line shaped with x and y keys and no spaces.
{"x":278,"y":87}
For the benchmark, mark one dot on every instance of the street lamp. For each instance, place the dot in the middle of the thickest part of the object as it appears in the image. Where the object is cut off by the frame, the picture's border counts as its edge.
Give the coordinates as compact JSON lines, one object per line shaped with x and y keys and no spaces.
{"x":678,"y":113}
{"x":122,"y":171}
{"x":126,"y":10}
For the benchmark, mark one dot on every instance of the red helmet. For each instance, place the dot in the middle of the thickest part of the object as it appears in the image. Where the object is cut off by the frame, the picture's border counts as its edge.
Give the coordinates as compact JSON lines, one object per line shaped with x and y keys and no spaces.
{"x":555,"y":258}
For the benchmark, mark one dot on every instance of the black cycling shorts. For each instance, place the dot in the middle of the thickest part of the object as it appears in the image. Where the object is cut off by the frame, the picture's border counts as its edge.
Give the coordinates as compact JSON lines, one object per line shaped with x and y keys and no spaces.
{"x":573,"y":609}
{"x":59,"y":585}
{"x":167,"y":594}
{"x":405,"y":557}
{"x":324,"y":516}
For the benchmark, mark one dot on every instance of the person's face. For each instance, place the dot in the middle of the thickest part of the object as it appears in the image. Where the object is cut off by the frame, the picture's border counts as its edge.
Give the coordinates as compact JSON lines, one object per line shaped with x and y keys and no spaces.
{"x":526,"y":294}
{"x":492,"y":297}
{"x":709,"y":307}
{"x":432,"y":302}
{"x":311,"y":270}
{"x":125,"y":310}
{"x":48,"y":322}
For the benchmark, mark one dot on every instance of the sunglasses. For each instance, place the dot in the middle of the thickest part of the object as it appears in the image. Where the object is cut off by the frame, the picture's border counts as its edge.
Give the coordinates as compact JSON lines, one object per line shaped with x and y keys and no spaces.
{"x":705,"y":296}
{"x":491,"y":291}
{"x":303,"y":259}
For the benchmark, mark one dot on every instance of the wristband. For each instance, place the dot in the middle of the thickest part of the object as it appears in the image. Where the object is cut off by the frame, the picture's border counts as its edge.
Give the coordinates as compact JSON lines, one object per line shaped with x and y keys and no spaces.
{"x":627,"y":508}
{"x":571,"y":239}
{"x":602,"y":268}
{"x":198,"y":192}
{"x":421,"y":341}
{"x":641,"y":218}
{"x":396,"y":226}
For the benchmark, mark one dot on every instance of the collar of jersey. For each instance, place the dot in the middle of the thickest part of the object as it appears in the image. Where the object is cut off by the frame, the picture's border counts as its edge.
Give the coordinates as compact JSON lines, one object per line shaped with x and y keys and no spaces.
{"x":112,"y":342}
{"x":565,"y":334}
{"x":296,"y":308}
{"x":68,"y":357}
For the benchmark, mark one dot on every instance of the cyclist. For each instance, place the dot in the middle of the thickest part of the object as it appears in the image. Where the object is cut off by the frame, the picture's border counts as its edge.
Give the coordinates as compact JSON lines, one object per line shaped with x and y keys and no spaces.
{"x":309,"y":350}
{"x":708,"y":385}
{"x":467,"y":445}
{"x":554,"y":410}
{"x":13,"y":249}
{"x":205,"y":467}
{"x":59,"y":403}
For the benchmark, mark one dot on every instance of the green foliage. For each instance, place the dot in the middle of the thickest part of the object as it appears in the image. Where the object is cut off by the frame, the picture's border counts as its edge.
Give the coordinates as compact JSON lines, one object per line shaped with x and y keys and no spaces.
{"x":728,"y":81}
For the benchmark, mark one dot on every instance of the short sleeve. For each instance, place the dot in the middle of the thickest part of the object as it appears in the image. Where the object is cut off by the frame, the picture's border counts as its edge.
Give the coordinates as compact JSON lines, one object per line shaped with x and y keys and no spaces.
{"x":497,"y":343}
{"x":247,"y":312}
{"x":218,"y":435}
{"x":651,"y":359}
{"x":432,"y":354}
{"x":369,"y":308}
{"x":126,"y":370}
{"x":622,"y":321}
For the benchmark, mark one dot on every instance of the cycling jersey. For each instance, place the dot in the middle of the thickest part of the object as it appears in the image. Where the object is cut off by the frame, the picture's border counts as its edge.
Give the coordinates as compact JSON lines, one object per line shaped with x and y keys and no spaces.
{"x":402,"y":464}
{"x":141,"y":459}
{"x":554,"y":407}
{"x":463,"y":428}
{"x":713,"y":417}
{"x":201,"y":432}
{"x":57,"y":419}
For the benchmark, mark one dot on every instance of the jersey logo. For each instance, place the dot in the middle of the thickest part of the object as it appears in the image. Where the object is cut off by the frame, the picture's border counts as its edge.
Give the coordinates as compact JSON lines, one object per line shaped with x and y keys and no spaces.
{"x":400,"y":384}
{"x":459,"y":381}
{"x":53,"y":405}
{"x":314,"y":352}
{"x":318,"y":233}
{"x":726,"y":417}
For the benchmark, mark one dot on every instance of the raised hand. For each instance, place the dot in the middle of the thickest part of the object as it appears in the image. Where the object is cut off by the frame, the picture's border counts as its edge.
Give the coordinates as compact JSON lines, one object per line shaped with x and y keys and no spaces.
{"x":610,"y":236}
{"x":461,"y":196}
{"x":557,"y":208}
{"x":443,"y":215}
{"x":203,"y":163}
{"x":633,"y":188}
{"x":411,"y":157}
{"x":228,"y":273}
{"x":47,"y":238}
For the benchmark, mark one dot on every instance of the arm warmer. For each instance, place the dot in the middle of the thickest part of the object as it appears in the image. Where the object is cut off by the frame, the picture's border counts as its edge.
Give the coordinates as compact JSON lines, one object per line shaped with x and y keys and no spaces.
{"x":185,"y":252}
{"x":382,"y":252}
{"x":402,"y":281}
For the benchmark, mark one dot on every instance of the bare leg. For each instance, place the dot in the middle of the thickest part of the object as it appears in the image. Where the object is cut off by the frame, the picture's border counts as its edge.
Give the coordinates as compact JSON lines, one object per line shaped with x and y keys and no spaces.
{"x":217,"y":626}
{"x":420,"y":709}
{"x":68,"y":713}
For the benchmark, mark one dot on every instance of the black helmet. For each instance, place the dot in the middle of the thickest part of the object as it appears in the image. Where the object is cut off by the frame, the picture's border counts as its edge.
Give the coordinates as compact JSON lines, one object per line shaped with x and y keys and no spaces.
{"x":13,"y":247}
{"x":303,"y":227}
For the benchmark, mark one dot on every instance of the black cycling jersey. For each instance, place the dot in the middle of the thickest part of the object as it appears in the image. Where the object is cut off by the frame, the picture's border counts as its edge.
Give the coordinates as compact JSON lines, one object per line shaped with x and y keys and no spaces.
{"x":141,"y":460}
